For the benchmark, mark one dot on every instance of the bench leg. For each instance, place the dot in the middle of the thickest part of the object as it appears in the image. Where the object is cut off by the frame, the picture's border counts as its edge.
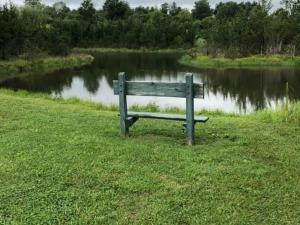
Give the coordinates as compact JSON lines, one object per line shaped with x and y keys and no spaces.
{"x":123,"y":105}
{"x":190,"y":125}
{"x":184,"y":127}
{"x":124,"y":128}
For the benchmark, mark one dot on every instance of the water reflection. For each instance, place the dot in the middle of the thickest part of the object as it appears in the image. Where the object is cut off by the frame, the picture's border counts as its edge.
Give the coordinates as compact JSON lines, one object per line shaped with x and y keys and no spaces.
{"x":230,"y":90}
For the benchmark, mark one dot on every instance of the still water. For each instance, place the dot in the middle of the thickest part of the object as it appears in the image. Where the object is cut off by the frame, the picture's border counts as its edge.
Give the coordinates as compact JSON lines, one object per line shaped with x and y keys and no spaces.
{"x":230,"y":90}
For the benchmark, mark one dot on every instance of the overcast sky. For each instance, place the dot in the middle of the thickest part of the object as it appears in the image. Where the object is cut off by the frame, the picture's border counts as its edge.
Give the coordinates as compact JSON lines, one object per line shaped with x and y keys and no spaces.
{"x":133,"y":3}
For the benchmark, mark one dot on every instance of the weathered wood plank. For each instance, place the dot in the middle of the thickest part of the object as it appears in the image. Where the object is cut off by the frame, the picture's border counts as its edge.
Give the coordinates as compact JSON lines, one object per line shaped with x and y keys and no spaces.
{"x":160,"y":89}
{"x":199,"y":119}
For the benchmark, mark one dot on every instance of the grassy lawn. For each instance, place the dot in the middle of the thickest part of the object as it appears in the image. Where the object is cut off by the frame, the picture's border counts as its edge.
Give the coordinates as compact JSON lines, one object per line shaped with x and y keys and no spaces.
{"x":63,"y":162}
{"x":202,"y":61}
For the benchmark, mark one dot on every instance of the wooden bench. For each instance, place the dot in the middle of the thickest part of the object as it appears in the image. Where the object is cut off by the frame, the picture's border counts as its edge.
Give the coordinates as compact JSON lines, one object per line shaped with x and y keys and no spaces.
{"x":188,"y":90}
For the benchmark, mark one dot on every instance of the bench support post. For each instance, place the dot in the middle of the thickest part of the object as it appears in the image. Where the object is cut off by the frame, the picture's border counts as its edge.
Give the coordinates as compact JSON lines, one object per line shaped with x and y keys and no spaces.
{"x":123,"y":104}
{"x":190,"y":109}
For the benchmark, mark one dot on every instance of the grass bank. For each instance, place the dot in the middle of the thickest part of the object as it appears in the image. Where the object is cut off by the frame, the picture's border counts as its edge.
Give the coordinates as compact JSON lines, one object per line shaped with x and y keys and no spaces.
{"x":43,"y":65}
{"x":201,"y":61}
{"x":124,"y":50}
{"x":63,"y":162}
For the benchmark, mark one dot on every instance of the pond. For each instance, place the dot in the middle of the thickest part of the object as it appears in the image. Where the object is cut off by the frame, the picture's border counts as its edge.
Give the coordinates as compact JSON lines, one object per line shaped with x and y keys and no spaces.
{"x":230,"y":90}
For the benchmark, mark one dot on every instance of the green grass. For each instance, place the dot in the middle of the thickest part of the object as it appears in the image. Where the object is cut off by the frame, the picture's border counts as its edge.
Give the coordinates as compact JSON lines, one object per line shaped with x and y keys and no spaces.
{"x":124,"y":50}
{"x":43,"y":65}
{"x":201,"y":61}
{"x":63,"y":162}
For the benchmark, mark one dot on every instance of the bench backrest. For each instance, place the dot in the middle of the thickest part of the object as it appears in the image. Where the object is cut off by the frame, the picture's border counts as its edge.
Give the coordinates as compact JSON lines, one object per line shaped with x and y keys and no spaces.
{"x":160,"y":89}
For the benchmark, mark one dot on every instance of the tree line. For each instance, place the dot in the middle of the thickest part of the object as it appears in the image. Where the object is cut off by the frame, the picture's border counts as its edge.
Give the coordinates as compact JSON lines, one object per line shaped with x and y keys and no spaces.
{"x":231,"y":29}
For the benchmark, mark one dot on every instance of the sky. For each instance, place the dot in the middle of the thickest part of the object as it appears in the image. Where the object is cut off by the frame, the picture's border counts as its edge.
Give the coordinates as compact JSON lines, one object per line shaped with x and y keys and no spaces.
{"x":134,"y":3}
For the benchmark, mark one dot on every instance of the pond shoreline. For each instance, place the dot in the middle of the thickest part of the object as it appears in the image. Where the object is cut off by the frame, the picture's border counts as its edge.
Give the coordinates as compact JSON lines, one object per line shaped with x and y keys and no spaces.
{"x":43,"y":65}
{"x":201,"y":61}
{"x":225,"y":90}
{"x":126,"y":50}
{"x":287,"y":112}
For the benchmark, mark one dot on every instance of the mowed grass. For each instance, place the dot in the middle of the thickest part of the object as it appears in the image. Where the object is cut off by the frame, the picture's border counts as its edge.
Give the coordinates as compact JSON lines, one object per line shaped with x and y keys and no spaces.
{"x":201,"y":61}
{"x":63,"y":162}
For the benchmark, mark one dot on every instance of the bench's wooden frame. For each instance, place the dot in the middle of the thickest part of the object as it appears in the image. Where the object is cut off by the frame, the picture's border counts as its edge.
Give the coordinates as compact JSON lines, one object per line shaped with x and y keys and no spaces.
{"x":188,"y":90}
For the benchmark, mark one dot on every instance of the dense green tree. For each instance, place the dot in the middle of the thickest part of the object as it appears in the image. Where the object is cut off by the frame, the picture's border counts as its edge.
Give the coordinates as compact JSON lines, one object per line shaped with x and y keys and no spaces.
{"x":10,"y":28}
{"x":87,"y":11}
{"x":174,"y":9}
{"x":164,"y":8}
{"x":33,"y":3}
{"x":266,"y":5}
{"x":290,"y":4}
{"x":294,"y":31}
{"x":201,"y":9}
{"x":234,"y":29}
{"x":116,"y":9}
{"x":226,"y":11}
{"x":34,"y":29}
{"x":60,"y":8}
{"x":87,"y":23}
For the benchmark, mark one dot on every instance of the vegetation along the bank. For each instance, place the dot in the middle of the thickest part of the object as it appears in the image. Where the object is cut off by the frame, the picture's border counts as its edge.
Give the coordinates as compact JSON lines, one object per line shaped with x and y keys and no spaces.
{"x":201,"y":61}
{"x":64,"y":162}
{"x":43,"y":64}
{"x":126,"y":50}
{"x":231,"y":29}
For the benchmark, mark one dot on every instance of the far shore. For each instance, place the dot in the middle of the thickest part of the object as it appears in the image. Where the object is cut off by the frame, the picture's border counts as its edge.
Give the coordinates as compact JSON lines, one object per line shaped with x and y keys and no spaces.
{"x":256,"y":61}
{"x":202,"y":61}
{"x":20,"y":66}
{"x":126,"y":50}
{"x":83,"y":56}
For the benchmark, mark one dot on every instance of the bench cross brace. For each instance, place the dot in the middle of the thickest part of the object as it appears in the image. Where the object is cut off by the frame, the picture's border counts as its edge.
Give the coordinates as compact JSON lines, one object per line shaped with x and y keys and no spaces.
{"x":130,"y":121}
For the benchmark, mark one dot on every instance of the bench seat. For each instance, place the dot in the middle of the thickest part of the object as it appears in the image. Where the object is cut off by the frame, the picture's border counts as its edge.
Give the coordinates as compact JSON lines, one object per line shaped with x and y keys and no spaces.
{"x":199,"y":119}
